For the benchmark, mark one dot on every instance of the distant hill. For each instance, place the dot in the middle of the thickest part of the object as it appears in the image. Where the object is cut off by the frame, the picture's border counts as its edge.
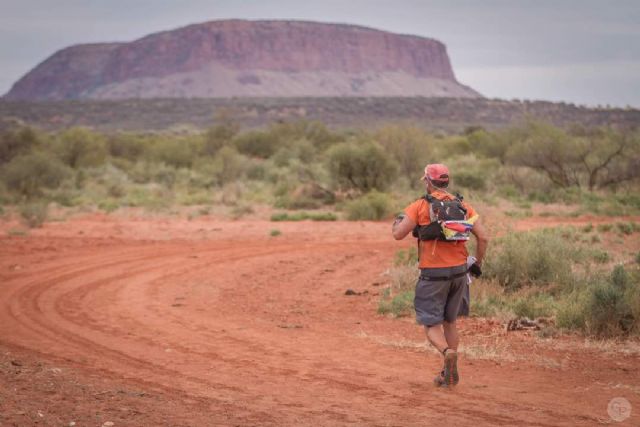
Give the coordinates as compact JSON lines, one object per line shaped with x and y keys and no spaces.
{"x":441,"y":114}
{"x":238,"y":58}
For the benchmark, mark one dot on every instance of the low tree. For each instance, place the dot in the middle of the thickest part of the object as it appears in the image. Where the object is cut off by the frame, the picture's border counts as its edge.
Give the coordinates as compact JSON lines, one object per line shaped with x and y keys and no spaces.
{"x":593,"y":159}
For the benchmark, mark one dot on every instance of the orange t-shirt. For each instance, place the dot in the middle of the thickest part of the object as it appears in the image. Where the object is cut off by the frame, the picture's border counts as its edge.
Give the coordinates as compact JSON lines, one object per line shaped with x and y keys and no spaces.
{"x":438,"y":253}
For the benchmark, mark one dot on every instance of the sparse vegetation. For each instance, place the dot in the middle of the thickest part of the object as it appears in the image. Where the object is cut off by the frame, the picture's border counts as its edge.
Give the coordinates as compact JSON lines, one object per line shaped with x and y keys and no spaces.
{"x":34,"y":214}
{"x":306,"y":171}
{"x":302,"y":216}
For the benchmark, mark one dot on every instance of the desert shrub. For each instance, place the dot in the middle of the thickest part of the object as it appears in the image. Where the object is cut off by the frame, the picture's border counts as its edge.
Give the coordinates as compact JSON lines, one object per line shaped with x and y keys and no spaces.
{"x":535,"y":257}
{"x":79,"y":147}
{"x":303,"y":196}
{"x":174,"y":151}
{"x":227,"y":166}
{"x":28,"y":175}
{"x":607,"y":312}
{"x":599,"y":255}
{"x":302,"y":216}
{"x":398,"y":305}
{"x":256,"y":144}
{"x":373,"y":206}
{"x":487,"y":306}
{"x":299,"y":149}
{"x":18,"y":142}
{"x":533,"y":306}
{"x":409,"y":147}
{"x":150,"y":197}
{"x":398,"y":298}
{"x":603,"y":228}
{"x":625,"y":228}
{"x":490,"y":145}
{"x":607,"y":306}
{"x":360,"y":166}
{"x":34,"y":214}
{"x":315,"y":132}
{"x":219,"y":136}
{"x":127,"y":146}
{"x":275,"y":232}
{"x":471,"y":180}
{"x":144,"y":172}
{"x":108,"y":205}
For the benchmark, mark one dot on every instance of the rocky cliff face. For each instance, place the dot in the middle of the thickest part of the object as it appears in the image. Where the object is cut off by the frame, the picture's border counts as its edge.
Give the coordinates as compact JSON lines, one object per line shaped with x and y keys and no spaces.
{"x":248,"y":58}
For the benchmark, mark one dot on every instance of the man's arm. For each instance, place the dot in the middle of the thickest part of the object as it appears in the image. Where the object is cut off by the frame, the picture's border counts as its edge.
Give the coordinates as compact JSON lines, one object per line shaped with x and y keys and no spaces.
{"x":482,"y":240}
{"x":402,"y":226}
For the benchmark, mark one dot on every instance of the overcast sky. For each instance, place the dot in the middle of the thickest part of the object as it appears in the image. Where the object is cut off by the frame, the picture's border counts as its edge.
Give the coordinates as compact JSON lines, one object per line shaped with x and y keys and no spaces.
{"x":581,"y":51}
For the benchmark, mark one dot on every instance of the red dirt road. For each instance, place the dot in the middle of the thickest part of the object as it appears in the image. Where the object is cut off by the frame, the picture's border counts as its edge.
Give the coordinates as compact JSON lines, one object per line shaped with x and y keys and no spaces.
{"x":152,"y":322}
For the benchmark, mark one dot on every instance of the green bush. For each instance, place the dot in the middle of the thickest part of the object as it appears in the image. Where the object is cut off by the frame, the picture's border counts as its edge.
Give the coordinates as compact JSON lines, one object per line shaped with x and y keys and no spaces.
{"x":539,"y":257}
{"x":127,"y":146}
{"x":409,"y":147}
{"x":604,"y":228}
{"x":34,"y":214}
{"x":79,"y":147}
{"x":470,"y":180}
{"x":18,"y":142}
{"x":360,"y":166}
{"x":400,"y":305}
{"x":28,"y":175}
{"x":219,"y":136}
{"x":398,"y":298}
{"x":606,"y":307}
{"x":302,"y":216}
{"x":540,"y":305}
{"x":174,"y":151}
{"x":625,"y":228}
{"x":373,"y":206}
{"x":257,"y":144}
{"x":600,"y":256}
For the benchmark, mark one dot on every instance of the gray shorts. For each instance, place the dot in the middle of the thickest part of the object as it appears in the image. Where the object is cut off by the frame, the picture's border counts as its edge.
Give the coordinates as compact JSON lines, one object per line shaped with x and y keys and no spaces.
{"x":439,"y":300}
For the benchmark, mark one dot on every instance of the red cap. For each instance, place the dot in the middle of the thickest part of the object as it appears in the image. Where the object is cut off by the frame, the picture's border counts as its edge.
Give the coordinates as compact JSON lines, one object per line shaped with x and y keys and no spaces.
{"x":437,"y":173}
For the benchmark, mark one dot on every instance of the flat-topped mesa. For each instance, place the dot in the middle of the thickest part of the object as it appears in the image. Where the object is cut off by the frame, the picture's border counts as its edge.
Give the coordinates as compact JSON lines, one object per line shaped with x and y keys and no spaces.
{"x":248,"y":58}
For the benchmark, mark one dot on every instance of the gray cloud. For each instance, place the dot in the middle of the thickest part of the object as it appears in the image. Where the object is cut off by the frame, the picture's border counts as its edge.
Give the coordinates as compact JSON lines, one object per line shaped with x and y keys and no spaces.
{"x":582,"y":51}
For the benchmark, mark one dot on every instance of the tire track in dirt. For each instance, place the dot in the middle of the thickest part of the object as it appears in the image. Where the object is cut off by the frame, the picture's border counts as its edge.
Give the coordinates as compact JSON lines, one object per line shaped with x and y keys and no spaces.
{"x":260,"y":328}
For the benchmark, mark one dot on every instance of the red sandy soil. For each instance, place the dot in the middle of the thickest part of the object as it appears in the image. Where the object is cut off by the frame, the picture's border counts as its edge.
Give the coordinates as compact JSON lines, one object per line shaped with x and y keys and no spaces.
{"x":147,"y":321}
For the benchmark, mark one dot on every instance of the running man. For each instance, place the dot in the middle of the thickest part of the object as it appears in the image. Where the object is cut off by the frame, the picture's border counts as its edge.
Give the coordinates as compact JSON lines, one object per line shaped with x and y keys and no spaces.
{"x":442,"y":223}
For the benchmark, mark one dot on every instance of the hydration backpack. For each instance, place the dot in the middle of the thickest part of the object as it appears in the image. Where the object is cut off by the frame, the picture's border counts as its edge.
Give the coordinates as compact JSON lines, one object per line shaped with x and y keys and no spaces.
{"x":449,"y":221}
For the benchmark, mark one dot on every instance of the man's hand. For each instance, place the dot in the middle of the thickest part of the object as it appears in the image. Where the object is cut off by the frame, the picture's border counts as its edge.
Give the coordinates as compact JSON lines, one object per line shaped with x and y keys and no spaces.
{"x":475,"y":270}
